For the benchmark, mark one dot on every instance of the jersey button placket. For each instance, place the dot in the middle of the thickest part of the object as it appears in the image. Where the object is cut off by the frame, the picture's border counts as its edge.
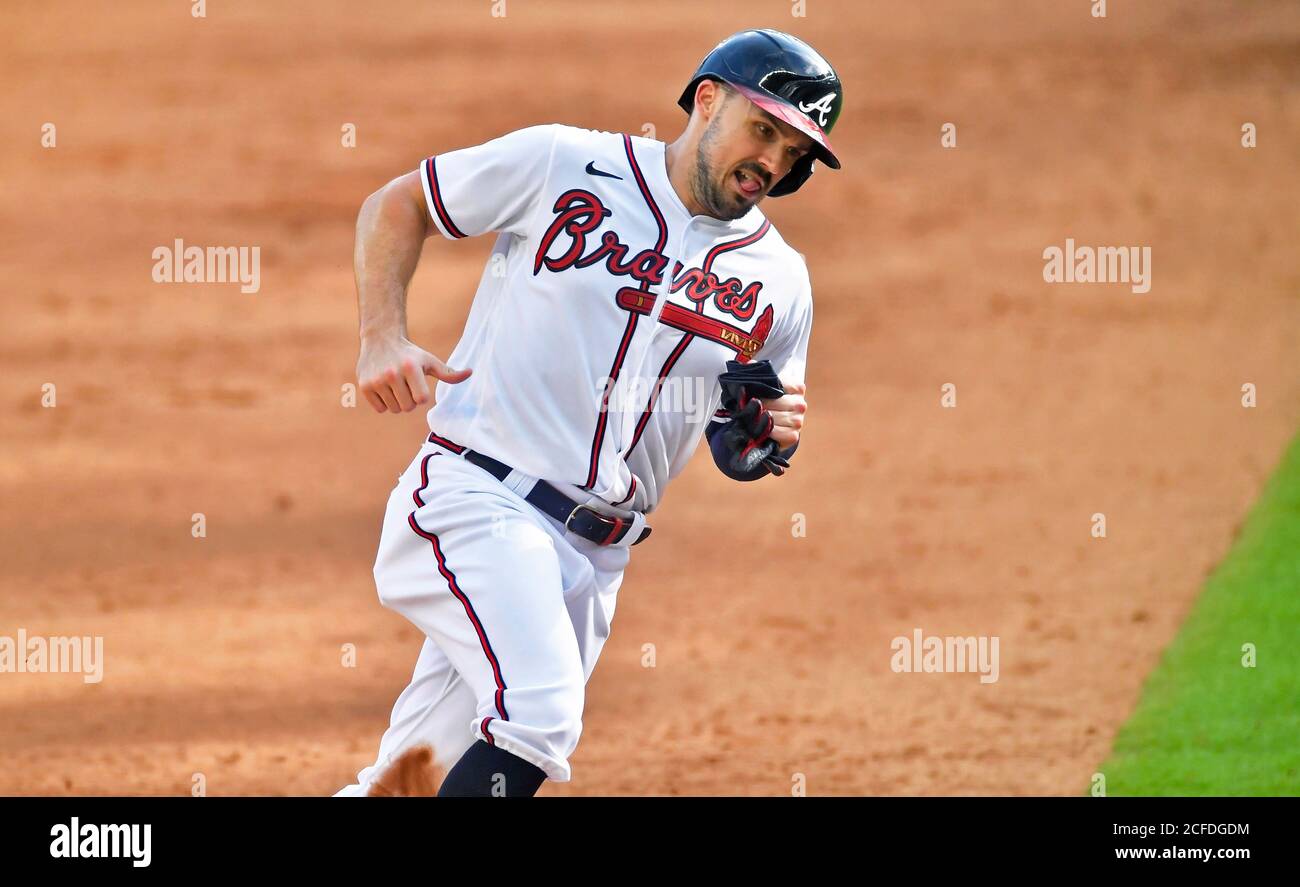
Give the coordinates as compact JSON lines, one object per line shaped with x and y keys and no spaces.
{"x":657,"y":329}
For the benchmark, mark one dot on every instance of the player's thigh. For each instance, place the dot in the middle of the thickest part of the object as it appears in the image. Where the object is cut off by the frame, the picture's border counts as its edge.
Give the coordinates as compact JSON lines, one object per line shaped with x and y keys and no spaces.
{"x":479,"y":576}
{"x":593,"y":577}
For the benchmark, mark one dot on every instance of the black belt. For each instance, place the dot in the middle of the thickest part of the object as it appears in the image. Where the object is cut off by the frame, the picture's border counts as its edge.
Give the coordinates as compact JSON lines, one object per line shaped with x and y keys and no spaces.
{"x":582,"y":520}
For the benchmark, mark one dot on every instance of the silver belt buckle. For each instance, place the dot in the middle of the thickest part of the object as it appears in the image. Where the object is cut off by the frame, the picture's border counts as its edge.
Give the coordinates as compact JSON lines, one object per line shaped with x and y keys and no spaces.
{"x":568,"y":522}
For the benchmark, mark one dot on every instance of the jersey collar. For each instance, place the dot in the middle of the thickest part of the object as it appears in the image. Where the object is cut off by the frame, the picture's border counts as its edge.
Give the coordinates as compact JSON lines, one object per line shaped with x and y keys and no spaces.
{"x":743,"y":225}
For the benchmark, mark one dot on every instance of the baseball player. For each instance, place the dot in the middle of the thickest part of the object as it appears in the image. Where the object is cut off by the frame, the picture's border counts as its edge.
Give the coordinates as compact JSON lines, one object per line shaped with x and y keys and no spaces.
{"x":623,"y":270}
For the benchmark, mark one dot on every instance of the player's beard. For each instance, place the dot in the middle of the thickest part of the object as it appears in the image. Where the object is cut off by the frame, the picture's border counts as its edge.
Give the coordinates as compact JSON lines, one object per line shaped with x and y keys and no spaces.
{"x":711,"y":190}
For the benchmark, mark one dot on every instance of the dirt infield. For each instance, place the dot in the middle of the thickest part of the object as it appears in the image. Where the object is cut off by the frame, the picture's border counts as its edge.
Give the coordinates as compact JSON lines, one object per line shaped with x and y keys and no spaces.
{"x":222,"y":654}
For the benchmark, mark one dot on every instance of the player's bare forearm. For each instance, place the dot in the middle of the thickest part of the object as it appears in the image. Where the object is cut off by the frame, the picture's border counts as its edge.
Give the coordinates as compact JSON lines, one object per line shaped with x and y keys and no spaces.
{"x":391,"y":229}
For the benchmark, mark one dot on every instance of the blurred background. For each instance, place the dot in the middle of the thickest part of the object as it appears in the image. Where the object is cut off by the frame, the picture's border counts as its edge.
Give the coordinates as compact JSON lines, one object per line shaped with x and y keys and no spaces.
{"x":772,"y":652}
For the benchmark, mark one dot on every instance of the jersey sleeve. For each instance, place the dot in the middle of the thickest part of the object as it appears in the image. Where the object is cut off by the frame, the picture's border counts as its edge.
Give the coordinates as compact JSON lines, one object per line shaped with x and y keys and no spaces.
{"x":494,"y":186}
{"x":788,"y":349}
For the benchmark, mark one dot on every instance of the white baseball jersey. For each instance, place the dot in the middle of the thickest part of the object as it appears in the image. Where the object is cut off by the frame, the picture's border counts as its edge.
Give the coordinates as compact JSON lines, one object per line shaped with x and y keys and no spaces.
{"x":594,"y":369}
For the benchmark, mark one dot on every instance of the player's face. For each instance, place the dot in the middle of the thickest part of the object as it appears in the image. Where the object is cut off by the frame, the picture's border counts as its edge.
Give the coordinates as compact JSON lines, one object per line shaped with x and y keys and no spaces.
{"x":742,"y":153}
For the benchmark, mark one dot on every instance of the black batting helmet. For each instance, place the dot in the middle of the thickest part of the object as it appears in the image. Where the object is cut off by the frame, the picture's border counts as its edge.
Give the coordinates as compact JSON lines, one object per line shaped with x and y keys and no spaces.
{"x":785,"y":77}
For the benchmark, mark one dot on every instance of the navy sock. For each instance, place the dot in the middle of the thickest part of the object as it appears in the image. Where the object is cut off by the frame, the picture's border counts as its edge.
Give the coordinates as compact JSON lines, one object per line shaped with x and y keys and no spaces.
{"x":485,"y":771}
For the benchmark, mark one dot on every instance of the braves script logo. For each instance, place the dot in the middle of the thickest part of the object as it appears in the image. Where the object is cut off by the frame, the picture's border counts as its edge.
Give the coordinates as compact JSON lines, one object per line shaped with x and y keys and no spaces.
{"x":822,"y":106}
{"x":578,"y":213}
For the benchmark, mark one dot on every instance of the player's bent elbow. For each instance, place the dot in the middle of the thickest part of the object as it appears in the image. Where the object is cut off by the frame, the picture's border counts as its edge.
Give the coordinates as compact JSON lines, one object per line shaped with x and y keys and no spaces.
{"x":398,"y":205}
{"x":371,"y":210}
{"x":404,"y":196}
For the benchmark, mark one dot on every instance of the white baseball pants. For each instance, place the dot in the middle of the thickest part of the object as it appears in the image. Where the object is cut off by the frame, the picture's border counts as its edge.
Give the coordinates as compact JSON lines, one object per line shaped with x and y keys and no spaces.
{"x":515,"y":611}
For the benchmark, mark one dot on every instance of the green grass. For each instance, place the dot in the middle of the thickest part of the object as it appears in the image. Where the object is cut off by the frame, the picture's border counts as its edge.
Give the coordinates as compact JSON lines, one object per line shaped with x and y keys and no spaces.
{"x":1206,"y":725}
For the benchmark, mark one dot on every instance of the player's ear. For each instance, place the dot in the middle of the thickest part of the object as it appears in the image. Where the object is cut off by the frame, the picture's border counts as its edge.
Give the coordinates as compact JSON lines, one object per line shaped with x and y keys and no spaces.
{"x":710,"y":96}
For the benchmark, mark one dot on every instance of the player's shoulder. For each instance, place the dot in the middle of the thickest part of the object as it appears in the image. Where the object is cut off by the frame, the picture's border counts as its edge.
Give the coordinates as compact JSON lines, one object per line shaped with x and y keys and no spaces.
{"x":562,"y":141}
{"x":781,"y":250}
{"x":536,"y":134}
{"x":774,"y":239}
{"x":557,"y":131}
{"x":600,"y":144}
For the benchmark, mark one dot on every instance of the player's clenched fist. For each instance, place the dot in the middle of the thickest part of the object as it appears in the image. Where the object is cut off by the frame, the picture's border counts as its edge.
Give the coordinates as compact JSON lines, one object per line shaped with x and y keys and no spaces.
{"x":765,"y":416}
{"x":787,"y":414}
{"x":391,"y":374}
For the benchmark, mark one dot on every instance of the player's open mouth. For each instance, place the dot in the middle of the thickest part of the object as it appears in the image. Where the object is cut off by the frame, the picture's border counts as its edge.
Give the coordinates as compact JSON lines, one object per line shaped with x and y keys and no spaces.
{"x":748,"y":185}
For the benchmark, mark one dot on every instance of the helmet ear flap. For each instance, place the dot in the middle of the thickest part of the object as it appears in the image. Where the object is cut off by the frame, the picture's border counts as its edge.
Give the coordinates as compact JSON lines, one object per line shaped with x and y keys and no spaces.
{"x":687,"y":101}
{"x":794,"y":179}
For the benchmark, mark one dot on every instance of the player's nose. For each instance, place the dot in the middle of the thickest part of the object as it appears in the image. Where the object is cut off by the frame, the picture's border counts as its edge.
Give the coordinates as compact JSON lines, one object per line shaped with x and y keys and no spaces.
{"x":773,"y":163}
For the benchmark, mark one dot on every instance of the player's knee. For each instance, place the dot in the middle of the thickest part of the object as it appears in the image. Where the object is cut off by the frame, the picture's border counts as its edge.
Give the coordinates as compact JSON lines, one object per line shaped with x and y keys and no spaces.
{"x":569,"y":721}
{"x":395,"y":591}
{"x":389,"y":592}
{"x":386,"y":590}
{"x":555,"y":705}
{"x":546,"y":717}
